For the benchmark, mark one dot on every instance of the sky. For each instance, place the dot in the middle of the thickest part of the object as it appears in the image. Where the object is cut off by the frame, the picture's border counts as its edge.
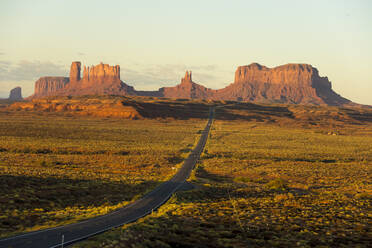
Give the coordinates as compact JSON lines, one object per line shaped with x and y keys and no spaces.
{"x":155,"y":42}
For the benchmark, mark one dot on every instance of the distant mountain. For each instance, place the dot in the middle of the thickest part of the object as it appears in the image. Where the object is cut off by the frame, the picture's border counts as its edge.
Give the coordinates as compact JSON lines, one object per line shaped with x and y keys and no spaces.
{"x":16,"y":94}
{"x":290,"y":83}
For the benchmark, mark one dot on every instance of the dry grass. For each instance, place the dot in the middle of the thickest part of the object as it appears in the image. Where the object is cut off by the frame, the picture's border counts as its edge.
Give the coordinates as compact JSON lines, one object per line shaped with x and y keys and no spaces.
{"x":56,"y":169}
{"x":265,"y":183}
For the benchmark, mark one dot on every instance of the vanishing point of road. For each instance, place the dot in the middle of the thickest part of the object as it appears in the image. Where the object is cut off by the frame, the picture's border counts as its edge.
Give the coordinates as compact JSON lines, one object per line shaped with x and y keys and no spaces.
{"x":72,"y":233}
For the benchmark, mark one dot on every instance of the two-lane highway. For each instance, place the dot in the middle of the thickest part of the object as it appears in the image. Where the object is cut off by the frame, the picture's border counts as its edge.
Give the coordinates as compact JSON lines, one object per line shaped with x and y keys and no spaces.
{"x":78,"y":231}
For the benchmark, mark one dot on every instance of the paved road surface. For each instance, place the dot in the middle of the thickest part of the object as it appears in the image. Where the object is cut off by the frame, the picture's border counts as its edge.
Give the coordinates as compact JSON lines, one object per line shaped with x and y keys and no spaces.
{"x":144,"y":206}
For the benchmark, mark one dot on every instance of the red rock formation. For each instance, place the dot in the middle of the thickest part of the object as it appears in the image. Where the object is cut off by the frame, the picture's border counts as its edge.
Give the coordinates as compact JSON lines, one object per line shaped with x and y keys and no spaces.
{"x":290,"y":83}
{"x":100,"y":74}
{"x":75,"y":71}
{"x":101,"y":71}
{"x":102,"y":79}
{"x":86,"y":73}
{"x":48,"y":86}
{"x":187,"y":78}
{"x":285,"y":74}
{"x":16,"y":94}
{"x":187,"y":89}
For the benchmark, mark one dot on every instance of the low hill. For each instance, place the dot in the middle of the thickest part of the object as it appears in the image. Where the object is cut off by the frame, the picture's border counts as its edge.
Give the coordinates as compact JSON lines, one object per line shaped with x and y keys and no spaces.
{"x":137,"y":107}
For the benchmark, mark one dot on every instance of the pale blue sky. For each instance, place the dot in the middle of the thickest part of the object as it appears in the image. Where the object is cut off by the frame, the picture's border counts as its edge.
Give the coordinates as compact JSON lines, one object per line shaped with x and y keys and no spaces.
{"x":154,"y":42}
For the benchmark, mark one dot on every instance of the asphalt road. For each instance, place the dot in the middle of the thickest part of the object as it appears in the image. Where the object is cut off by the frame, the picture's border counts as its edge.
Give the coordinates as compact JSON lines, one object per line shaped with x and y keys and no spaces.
{"x":79,"y":231}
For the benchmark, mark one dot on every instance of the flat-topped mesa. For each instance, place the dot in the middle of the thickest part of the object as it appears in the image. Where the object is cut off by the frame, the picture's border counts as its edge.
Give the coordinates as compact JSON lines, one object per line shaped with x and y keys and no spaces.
{"x":75,"y":71}
{"x":100,"y":72}
{"x":101,"y":79}
{"x":290,"y":83}
{"x":285,"y":74}
{"x":187,"y":78}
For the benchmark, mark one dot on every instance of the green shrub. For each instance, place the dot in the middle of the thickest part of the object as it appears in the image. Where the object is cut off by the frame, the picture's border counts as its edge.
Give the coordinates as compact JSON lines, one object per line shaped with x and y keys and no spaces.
{"x":277,"y":184}
{"x":363,"y":196}
{"x":242,"y":179}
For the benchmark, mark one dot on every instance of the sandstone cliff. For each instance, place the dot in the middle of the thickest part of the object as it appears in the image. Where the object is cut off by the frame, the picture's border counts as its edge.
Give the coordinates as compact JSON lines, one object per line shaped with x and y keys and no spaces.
{"x":75,"y":71}
{"x":101,"y":79}
{"x":290,"y":83}
{"x":101,"y":71}
{"x":16,"y":94}
{"x":48,"y":86}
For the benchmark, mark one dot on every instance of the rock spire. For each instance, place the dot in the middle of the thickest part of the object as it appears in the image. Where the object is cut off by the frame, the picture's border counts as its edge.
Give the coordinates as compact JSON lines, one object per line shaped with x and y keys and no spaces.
{"x":187,"y":78}
{"x":75,"y":71}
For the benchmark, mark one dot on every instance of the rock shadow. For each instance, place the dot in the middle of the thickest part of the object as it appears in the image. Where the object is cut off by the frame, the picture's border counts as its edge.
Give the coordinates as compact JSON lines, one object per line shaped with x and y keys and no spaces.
{"x":173,"y":109}
{"x":251,"y":111}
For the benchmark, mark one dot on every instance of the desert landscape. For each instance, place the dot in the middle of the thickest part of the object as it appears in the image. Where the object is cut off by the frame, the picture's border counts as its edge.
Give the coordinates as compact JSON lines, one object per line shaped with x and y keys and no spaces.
{"x":217,"y":151}
{"x":270,"y":174}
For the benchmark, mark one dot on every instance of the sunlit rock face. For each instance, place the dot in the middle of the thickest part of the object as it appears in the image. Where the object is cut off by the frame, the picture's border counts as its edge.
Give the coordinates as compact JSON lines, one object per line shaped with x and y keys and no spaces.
{"x":75,"y":71}
{"x":187,"y":89}
{"x":290,"y":83}
{"x":101,"y":79}
{"x":101,"y":71}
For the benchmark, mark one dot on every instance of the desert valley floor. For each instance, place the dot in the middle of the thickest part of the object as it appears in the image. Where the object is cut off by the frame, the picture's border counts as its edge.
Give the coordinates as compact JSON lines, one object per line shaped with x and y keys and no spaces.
{"x":271,"y":175}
